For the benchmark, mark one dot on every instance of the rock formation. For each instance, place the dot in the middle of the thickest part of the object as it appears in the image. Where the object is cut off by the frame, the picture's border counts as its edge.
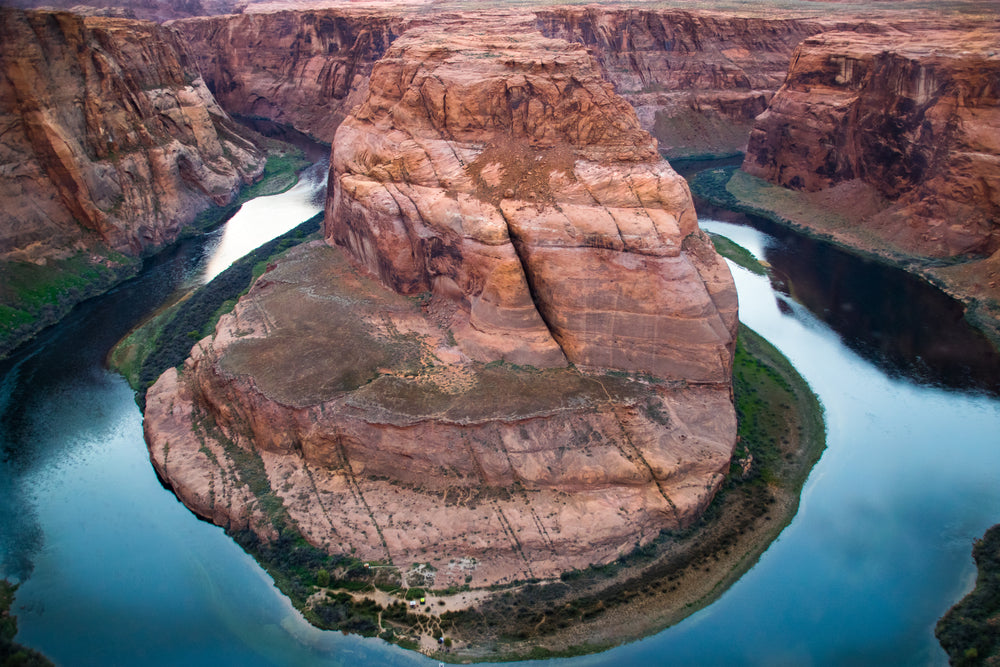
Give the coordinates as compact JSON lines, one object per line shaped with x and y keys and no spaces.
{"x":915,"y":116}
{"x":696,"y":79}
{"x":109,"y":136}
{"x":517,"y":359}
{"x":307,"y":69}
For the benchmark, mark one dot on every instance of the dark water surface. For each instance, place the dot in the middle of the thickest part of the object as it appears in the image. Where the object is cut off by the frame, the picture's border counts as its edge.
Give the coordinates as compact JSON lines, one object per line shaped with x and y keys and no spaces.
{"x":116,"y":571}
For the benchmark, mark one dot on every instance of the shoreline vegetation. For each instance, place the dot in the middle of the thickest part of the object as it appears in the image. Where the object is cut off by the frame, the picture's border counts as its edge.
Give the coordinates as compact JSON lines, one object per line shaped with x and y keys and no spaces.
{"x":970,"y":631}
{"x":36,"y":296}
{"x":781,"y":436}
{"x":11,"y":653}
{"x":731,"y":188}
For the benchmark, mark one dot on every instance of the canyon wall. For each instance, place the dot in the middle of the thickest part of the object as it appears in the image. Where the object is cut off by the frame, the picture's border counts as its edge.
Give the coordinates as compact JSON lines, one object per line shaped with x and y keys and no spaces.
{"x":512,"y":358}
{"x":109,"y":136}
{"x":913,"y":115}
{"x":696,"y":79}
{"x":306,"y":69}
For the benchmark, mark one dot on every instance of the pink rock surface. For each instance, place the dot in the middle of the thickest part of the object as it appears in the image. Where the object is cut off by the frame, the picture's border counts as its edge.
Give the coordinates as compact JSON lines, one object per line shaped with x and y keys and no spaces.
{"x":516,"y":360}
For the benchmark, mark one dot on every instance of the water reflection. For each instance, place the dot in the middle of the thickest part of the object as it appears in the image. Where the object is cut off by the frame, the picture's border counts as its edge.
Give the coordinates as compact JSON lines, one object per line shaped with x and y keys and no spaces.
{"x":907,"y":328}
{"x":260,"y":220}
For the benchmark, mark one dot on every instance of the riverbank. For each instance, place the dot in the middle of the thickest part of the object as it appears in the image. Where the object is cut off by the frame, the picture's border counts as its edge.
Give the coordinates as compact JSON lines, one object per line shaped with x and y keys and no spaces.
{"x":969,"y":631}
{"x":825,"y":216}
{"x":781,"y":437}
{"x":165,"y":339}
{"x":12,"y":653}
{"x":36,"y":296}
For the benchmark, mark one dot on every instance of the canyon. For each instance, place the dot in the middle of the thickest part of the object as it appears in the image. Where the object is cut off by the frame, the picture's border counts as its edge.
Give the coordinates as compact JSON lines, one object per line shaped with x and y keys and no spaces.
{"x":510,"y":356}
{"x":904,"y":126}
{"x":112,"y":144}
{"x":696,"y":79}
{"x":511,"y":359}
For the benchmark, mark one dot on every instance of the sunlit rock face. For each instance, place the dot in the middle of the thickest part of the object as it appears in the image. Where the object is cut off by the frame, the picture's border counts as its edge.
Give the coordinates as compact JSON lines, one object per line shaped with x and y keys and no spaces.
{"x":109,"y":135}
{"x":914,"y":115}
{"x":502,"y":174}
{"x":512,"y":356}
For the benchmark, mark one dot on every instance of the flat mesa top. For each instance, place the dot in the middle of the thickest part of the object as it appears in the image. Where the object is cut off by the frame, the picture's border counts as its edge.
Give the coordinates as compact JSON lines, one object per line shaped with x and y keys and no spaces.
{"x":316,"y":330}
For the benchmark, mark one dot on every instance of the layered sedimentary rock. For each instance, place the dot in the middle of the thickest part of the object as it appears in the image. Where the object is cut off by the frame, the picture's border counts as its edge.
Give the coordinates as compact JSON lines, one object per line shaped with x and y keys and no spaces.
{"x":109,"y":136}
{"x":307,"y":69}
{"x":515,"y":359}
{"x":149,"y":10}
{"x":915,"y":115}
{"x":696,"y":79}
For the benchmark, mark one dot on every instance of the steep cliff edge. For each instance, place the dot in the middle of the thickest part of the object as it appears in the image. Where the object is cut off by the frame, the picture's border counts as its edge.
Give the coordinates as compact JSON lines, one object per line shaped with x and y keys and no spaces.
{"x":516,"y":362}
{"x":111,"y":144}
{"x":696,"y":79}
{"x":914,"y":116}
{"x":307,"y":69}
{"x":910,"y":124}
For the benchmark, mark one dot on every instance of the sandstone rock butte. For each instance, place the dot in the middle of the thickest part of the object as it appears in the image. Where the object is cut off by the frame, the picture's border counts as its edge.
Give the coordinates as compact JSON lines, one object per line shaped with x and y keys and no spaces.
{"x":513,"y":356}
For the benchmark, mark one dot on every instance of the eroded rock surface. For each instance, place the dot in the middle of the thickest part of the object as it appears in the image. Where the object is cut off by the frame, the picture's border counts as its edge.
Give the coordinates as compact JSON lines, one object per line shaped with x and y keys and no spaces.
{"x":307,"y":69}
{"x":914,"y":115}
{"x":696,"y":79}
{"x":516,"y":360}
{"x":109,"y":135}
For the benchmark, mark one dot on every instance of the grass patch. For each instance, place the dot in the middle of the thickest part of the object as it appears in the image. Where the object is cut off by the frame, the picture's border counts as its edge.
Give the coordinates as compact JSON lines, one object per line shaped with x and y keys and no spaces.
{"x":33,"y":296}
{"x":165,"y":340}
{"x":732,"y":250}
{"x":970,"y":631}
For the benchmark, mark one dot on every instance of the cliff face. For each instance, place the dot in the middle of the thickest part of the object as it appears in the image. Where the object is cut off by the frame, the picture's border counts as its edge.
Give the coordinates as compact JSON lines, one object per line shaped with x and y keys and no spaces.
{"x":916,"y":116}
{"x":507,"y":176}
{"x":527,"y":343}
{"x":696,"y":79}
{"x":148,"y":10}
{"x":307,"y":69}
{"x":109,"y":135}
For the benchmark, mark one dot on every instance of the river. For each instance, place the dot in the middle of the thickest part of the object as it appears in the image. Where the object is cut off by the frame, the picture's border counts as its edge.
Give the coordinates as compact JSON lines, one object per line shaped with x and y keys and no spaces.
{"x":115,"y":571}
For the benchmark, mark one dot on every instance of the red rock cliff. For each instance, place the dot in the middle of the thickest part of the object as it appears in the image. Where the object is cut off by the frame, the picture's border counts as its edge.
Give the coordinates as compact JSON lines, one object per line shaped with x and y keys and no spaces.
{"x":696,"y":79}
{"x":307,"y":69}
{"x":506,"y":176}
{"x":109,"y":135}
{"x":914,"y":115}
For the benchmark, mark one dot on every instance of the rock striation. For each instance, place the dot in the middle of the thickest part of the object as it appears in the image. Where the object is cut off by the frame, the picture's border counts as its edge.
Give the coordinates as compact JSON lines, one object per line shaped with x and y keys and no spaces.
{"x":513,"y":357}
{"x":914,"y":115}
{"x":306,"y":69}
{"x":696,"y":79}
{"x":109,"y":136}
